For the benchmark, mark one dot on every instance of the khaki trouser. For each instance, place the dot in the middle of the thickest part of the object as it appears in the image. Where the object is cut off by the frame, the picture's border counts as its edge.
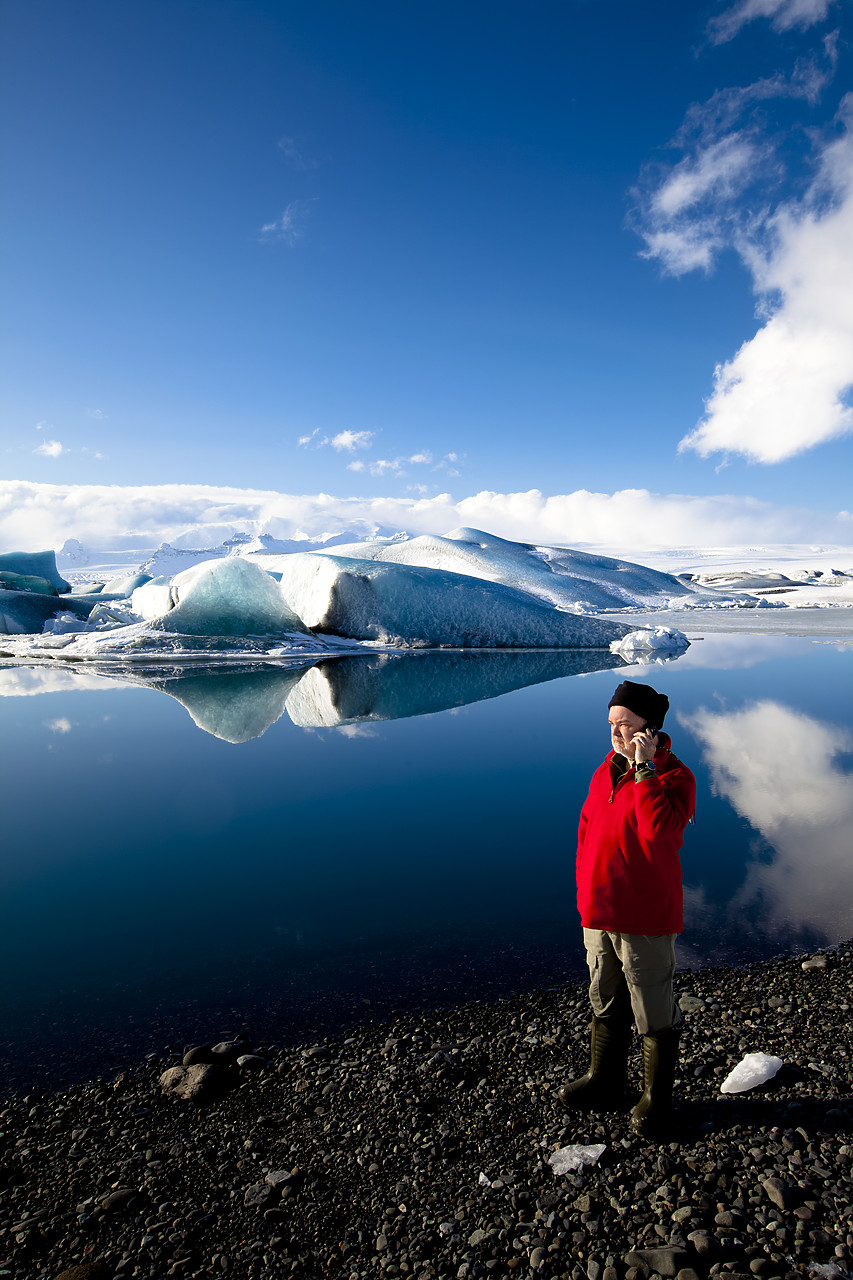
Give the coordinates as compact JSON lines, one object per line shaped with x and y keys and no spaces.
{"x":631,"y":973}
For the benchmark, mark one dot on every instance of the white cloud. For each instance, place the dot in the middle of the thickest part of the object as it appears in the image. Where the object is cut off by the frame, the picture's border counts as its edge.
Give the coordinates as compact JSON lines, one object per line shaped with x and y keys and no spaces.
{"x":344,"y":441}
{"x":784,"y":391}
{"x":355,"y":466}
{"x":783,"y":16}
{"x":736,"y":187}
{"x":97,"y":413}
{"x":49,"y":449}
{"x":805,"y":814}
{"x":351,"y":440}
{"x":286,"y":227}
{"x":33,"y":516}
{"x":62,"y":725}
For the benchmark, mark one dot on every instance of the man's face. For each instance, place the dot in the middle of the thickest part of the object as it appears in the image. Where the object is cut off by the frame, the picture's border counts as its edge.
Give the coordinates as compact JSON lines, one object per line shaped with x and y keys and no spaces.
{"x":623,"y":725}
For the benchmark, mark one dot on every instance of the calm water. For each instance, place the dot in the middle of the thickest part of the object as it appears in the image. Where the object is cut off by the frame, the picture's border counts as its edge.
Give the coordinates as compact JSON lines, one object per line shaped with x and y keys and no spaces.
{"x":380,"y":834}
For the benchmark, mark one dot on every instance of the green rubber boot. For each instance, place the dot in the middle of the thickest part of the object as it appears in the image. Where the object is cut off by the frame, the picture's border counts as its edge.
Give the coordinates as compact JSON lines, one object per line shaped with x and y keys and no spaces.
{"x":604,"y":1083}
{"x":653,"y":1113}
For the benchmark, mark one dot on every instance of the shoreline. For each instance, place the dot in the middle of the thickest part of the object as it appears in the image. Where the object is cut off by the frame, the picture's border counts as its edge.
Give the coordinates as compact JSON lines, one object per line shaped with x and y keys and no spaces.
{"x":418,"y":1147}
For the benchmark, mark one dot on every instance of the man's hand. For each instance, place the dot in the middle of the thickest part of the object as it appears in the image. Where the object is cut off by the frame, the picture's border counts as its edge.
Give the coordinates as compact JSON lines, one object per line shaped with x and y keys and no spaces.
{"x":644,"y":743}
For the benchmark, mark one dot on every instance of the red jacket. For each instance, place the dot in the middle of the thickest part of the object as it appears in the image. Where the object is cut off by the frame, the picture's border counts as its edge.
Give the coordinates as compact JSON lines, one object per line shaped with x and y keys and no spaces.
{"x":629,"y":874}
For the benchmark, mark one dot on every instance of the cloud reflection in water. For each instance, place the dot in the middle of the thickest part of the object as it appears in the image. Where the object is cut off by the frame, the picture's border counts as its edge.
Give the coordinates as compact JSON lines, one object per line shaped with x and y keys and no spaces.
{"x":778,"y":769}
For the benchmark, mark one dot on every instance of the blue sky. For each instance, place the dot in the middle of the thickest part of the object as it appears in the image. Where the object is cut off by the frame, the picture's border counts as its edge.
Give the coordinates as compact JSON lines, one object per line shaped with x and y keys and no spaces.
{"x":400,"y":249}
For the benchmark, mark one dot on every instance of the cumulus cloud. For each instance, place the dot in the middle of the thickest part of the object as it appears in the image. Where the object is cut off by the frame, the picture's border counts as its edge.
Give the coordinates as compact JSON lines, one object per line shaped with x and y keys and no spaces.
{"x":739,"y":185}
{"x":49,"y":449}
{"x":782,"y":14}
{"x":61,"y":725}
{"x":785,"y":390}
{"x":804,"y":814}
{"x":286,"y":227}
{"x":112,"y":517}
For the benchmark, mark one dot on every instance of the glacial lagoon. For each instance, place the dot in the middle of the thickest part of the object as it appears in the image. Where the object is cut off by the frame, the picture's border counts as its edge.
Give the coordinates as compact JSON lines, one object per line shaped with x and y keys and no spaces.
{"x":285,"y":851}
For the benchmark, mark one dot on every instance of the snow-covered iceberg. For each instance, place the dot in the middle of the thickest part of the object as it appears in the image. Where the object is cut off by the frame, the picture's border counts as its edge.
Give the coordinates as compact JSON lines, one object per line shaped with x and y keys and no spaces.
{"x":230,"y":597}
{"x":396,"y":686}
{"x":403,"y":605}
{"x":557,"y":576}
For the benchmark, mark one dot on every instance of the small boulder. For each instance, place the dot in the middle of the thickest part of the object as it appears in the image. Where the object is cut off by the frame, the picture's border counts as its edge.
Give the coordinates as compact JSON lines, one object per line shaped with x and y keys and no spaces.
{"x":195,"y":1083}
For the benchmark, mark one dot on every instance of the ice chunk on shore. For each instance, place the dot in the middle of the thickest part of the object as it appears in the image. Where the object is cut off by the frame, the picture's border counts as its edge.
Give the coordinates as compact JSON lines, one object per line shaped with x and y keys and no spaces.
{"x":571,"y":1159}
{"x":753,"y":1070}
{"x":556,"y":575}
{"x":40,"y":564}
{"x":403,"y":605}
{"x":230,"y":597}
{"x":396,"y":686}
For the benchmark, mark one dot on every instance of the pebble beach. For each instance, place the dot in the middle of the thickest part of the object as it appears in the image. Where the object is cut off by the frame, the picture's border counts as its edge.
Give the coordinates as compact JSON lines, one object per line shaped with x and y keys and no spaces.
{"x":420,"y":1147}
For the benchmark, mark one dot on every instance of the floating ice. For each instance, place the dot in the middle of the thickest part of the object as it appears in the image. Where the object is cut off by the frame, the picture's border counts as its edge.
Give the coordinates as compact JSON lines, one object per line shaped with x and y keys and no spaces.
{"x":656,"y":644}
{"x":230,"y":597}
{"x":752,"y":1070}
{"x":404,"y":605}
{"x":125,"y":585}
{"x":41,"y":564}
{"x":571,"y":1159}
{"x":153,"y":598}
{"x":567,"y":579}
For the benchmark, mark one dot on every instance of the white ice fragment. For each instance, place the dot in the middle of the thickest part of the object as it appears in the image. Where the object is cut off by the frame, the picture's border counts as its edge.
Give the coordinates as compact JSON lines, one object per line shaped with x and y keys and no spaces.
{"x":572,"y":1158}
{"x":483,"y":1180}
{"x":651,"y":644}
{"x":63,"y":623}
{"x":752,"y":1070}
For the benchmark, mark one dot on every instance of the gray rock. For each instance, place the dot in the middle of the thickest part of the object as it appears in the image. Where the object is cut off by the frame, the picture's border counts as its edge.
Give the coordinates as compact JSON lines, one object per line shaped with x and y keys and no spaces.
{"x":260,"y":1196}
{"x":779,"y":1193}
{"x":816,"y":962}
{"x":666,"y":1262}
{"x":476,"y":1237}
{"x":119,"y":1200}
{"x":537,"y":1257}
{"x":280,"y":1177}
{"x":198,"y":1053}
{"x":196,"y":1083}
{"x":250,"y":1062}
{"x":381,"y":1242}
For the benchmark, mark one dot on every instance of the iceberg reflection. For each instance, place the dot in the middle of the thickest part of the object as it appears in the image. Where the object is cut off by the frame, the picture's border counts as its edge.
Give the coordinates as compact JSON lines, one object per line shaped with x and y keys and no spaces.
{"x":346,"y":691}
{"x":778,"y":769}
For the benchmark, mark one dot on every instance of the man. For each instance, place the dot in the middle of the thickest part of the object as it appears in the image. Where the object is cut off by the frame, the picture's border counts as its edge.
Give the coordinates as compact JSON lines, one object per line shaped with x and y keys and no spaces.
{"x":630,"y":901}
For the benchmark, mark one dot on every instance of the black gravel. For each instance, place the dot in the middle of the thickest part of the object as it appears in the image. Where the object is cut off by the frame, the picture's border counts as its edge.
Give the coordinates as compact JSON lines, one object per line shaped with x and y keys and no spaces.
{"x":420,"y":1147}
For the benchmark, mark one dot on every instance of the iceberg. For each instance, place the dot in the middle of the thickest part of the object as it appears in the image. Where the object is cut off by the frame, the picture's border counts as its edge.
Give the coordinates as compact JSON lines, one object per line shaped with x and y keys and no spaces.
{"x":404,"y":605}
{"x":39,"y":564}
{"x":230,"y":597}
{"x":26,"y":612}
{"x":555,"y":575}
{"x":394,"y":686}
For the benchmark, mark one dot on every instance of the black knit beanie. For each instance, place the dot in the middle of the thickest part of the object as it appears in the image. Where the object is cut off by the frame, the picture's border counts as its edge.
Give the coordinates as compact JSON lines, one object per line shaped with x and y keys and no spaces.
{"x":643,"y":700}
